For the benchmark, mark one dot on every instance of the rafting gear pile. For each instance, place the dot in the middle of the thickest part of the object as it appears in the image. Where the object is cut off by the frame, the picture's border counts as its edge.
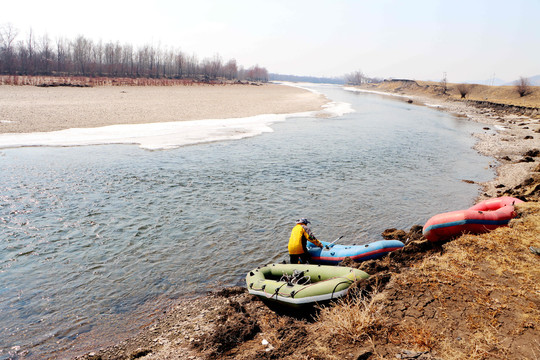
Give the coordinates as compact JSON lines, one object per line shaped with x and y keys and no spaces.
{"x":301,"y":285}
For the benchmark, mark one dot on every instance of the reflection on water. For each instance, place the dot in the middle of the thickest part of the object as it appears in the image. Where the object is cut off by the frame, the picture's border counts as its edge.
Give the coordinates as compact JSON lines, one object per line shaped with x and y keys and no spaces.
{"x":90,"y":235}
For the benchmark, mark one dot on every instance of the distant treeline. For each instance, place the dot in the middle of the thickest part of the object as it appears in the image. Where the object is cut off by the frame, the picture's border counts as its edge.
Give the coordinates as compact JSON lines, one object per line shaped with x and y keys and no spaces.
{"x":311,"y":79}
{"x":39,"y":56}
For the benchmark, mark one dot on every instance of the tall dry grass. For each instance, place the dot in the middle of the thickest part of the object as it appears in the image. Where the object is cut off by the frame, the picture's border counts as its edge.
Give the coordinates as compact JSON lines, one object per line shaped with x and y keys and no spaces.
{"x":495,"y":94}
{"x":21,"y":80}
{"x":353,"y":318}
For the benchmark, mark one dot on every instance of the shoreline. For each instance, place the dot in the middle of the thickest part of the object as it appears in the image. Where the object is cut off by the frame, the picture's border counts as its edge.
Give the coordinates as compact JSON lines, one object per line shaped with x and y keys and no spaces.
{"x":507,"y":137}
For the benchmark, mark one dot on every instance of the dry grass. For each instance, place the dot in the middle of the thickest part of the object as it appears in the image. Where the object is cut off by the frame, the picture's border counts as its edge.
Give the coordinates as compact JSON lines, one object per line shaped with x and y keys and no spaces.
{"x":496,"y":94}
{"x":478,"y":347}
{"x":86,"y":81}
{"x":487,"y":287}
{"x":417,"y":336}
{"x":353,"y":318}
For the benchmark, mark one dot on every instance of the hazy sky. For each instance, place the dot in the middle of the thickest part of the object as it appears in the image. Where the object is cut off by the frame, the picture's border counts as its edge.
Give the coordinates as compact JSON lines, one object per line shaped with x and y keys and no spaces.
{"x":469,"y":40}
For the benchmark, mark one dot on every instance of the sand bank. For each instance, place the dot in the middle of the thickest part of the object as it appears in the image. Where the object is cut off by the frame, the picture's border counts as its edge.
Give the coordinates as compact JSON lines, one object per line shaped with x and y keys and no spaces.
{"x":152,"y":117}
{"x":26,"y":109}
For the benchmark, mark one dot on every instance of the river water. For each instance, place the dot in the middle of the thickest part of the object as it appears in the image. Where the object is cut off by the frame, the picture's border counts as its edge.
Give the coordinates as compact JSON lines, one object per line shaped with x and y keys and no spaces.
{"x":96,"y":239}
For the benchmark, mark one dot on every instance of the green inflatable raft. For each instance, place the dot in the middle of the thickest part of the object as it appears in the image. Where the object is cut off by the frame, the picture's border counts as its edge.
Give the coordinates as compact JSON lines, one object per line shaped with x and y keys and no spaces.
{"x":301,"y":285}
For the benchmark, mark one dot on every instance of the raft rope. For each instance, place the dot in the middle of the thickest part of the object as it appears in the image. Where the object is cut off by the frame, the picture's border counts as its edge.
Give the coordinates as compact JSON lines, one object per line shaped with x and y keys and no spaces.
{"x":346,"y":280}
{"x":297,"y":278}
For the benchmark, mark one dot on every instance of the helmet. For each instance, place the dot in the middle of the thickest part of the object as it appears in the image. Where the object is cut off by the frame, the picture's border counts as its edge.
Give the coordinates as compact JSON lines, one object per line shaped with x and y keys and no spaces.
{"x":303,"y":221}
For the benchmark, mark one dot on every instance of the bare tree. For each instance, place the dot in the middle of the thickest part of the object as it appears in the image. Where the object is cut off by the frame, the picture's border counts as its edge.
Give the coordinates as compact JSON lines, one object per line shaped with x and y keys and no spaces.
{"x":8,"y":34}
{"x":230,"y":70}
{"x":444,"y":84}
{"x":356,"y":78}
{"x":45,"y":56}
{"x":81,"y":53}
{"x":216,"y":66}
{"x":257,"y":73}
{"x":30,"y":48}
{"x":180,"y":62}
{"x":97,"y":55}
{"x":192,"y":66}
{"x":128,"y":62}
{"x":523,"y":87}
{"x":23,"y":58}
{"x":62,"y":56}
{"x":464,"y":89}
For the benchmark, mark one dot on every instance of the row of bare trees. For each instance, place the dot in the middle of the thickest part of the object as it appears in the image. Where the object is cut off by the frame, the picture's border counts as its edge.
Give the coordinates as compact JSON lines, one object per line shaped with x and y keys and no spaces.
{"x":39,"y":55}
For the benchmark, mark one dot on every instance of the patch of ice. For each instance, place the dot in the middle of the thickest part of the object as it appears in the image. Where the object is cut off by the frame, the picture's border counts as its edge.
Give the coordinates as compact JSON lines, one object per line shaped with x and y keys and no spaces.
{"x":164,"y":135}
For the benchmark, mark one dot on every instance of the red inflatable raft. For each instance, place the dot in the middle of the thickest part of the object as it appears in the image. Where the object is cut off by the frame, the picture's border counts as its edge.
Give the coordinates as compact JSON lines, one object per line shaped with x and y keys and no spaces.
{"x":483,"y":217}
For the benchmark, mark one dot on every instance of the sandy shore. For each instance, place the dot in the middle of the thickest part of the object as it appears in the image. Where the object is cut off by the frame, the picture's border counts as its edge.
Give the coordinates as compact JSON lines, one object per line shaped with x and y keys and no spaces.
{"x":25,"y":109}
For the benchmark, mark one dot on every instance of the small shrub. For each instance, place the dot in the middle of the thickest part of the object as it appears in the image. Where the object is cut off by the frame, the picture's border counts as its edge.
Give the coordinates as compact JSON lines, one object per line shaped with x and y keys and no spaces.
{"x":464,"y":89}
{"x":523,"y":87}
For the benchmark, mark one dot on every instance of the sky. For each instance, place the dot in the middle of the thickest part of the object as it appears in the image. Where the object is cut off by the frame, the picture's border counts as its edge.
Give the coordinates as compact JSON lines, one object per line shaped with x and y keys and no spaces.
{"x":468,"y":40}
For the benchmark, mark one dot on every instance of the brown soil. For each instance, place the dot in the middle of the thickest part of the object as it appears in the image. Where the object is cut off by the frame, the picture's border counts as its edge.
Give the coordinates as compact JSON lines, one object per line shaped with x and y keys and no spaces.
{"x":475,"y":297}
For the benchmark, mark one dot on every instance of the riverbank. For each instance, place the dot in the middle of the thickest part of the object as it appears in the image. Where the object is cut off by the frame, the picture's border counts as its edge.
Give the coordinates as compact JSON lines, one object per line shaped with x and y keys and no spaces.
{"x":511,"y":134}
{"x":421,"y":300}
{"x":30,"y":109}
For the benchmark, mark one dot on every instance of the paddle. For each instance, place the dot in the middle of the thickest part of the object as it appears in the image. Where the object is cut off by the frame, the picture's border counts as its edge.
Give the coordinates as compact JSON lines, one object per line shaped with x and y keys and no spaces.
{"x":333,"y":242}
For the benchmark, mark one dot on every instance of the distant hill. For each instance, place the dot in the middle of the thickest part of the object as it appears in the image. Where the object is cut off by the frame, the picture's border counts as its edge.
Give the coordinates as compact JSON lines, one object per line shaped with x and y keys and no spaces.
{"x":311,"y":79}
{"x":490,"y":82}
{"x":533,"y":80}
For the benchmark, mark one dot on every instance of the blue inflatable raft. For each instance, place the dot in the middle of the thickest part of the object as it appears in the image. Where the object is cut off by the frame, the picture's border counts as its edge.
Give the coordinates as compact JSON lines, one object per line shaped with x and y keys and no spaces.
{"x":337,"y":253}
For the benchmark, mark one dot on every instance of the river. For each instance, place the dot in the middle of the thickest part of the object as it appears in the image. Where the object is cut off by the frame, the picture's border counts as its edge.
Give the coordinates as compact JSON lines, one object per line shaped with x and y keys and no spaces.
{"x":96,"y":239}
